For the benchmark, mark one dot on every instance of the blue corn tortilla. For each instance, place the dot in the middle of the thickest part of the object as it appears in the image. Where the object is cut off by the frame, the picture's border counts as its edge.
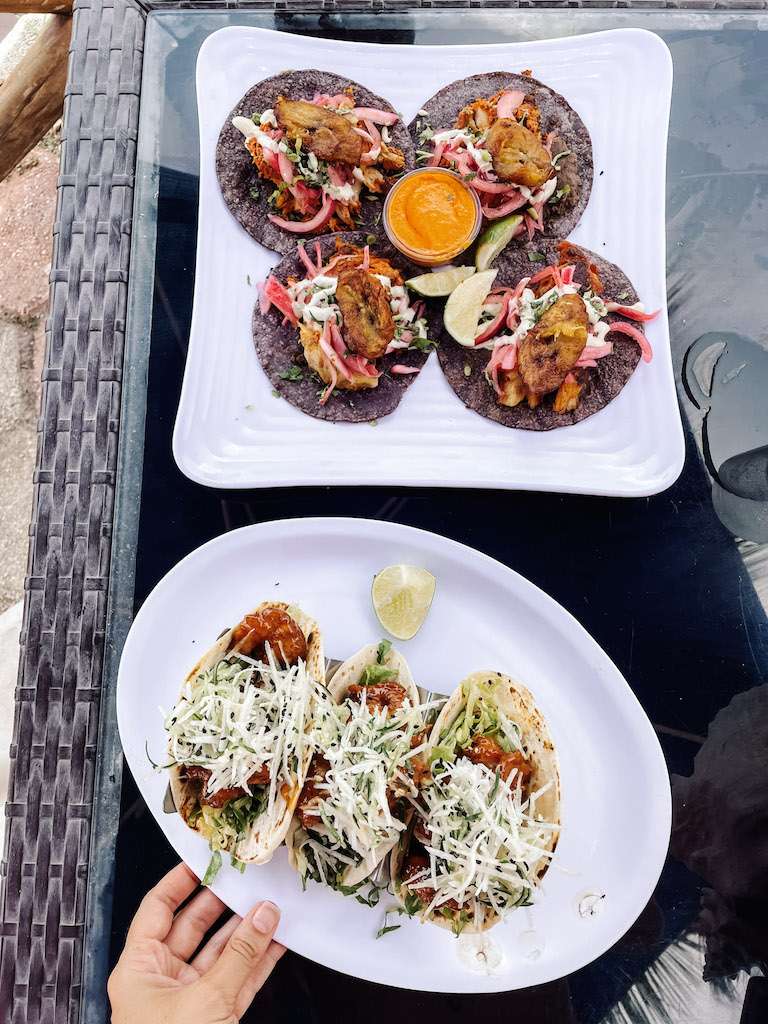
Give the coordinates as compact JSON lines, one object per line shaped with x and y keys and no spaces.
{"x":555,"y":115}
{"x":278,"y":346}
{"x":238,"y":175}
{"x":604,"y":381}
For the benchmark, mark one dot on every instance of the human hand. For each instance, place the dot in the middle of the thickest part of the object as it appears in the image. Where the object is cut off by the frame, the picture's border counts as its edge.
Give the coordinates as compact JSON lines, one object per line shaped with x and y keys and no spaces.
{"x":154,"y":980}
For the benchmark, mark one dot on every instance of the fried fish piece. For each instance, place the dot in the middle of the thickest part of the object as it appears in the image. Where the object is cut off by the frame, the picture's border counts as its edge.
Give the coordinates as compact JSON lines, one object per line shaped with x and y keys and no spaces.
{"x":478,"y":115}
{"x":518,"y":155}
{"x":513,"y":391}
{"x":549,"y":350}
{"x":309,"y":337}
{"x":567,"y":397}
{"x":368,"y":322}
{"x":354,"y":257}
{"x":323,"y":132}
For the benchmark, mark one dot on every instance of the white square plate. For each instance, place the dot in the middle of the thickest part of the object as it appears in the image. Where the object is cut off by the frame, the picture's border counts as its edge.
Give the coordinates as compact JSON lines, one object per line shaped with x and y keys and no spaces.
{"x":231,"y":432}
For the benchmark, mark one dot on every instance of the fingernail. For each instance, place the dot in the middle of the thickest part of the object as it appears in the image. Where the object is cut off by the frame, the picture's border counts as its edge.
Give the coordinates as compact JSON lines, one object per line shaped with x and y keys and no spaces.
{"x":265,"y":917}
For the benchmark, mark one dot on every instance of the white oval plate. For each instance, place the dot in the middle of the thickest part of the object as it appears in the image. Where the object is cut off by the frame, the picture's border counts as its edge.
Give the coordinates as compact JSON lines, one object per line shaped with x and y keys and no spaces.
{"x":616,"y":797}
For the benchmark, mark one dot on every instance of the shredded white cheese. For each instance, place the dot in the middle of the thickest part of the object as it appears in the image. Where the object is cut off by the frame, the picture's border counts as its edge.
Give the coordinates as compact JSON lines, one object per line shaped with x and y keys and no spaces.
{"x":487,"y":843}
{"x":242,"y":715}
{"x":367,"y":752}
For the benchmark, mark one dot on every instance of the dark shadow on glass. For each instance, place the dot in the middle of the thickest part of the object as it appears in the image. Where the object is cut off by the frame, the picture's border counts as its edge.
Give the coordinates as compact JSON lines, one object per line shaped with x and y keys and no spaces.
{"x":720,"y":832}
{"x":735,"y":431}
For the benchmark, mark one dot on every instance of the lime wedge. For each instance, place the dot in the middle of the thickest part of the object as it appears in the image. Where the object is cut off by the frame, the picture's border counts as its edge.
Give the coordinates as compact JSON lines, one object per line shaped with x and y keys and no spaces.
{"x":495,"y":238}
{"x":401,"y":596}
{"x":464,"y":306}
{"x":441,"y":283}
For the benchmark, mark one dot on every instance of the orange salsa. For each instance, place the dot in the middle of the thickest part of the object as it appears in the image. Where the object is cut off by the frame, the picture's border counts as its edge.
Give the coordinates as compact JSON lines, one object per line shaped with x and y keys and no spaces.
{"x":431,"y":215}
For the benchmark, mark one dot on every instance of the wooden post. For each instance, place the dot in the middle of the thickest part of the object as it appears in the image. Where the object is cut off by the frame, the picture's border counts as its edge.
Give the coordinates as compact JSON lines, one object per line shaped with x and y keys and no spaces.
{"x":32,"y":96}
{"x":35,"y":6}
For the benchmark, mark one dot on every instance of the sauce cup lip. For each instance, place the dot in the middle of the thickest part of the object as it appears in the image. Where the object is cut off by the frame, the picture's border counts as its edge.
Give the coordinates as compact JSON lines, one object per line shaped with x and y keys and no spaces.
{"x":417,"y":255}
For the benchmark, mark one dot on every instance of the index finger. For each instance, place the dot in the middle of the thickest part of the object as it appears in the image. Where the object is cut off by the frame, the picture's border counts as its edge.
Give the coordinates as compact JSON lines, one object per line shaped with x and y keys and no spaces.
{"x":154,"y":917}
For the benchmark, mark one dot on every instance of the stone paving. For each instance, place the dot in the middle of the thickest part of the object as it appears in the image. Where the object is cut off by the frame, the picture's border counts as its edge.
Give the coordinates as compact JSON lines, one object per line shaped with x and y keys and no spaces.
{"x":27,"y":211}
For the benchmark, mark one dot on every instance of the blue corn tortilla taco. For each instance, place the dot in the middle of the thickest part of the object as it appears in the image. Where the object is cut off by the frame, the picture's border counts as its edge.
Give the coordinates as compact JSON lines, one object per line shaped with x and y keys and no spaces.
{"x":336,"y":330}
{"x":560,"y":335}
{"x":306,"y":153}
{"x":519,"y":144}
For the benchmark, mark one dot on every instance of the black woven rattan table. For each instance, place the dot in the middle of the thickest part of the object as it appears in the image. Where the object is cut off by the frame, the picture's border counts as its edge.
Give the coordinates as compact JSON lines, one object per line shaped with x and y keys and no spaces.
{"x":673,"y":587}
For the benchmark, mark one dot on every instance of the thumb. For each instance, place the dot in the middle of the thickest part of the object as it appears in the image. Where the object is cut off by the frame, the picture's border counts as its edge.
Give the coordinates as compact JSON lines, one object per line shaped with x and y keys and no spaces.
{"x":243,"y":953}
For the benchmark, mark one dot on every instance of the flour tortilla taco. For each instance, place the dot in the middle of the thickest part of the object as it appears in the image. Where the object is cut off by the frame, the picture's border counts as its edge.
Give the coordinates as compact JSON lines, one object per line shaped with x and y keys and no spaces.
{"x":559,"y":337}
{"x":239,"y":737}
{"x":488,"y":821}
{"x":309,"y":152}
{"x":520,"y":144}
{"x":336,"y":331}
{"x":355,"y":804}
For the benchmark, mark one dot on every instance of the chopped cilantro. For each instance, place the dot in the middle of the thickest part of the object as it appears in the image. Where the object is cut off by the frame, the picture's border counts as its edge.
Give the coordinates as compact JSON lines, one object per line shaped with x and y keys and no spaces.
{"x":534,"y":257}
{"x":275,"y":394}
{"x":254,"y":192}
{"x":292,"y":373}
{"x":248,"y":279}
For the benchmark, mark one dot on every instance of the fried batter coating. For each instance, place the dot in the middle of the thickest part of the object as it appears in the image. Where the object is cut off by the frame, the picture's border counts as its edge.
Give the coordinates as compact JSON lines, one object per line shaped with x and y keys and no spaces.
{"x":323,"y":132}
{"x":368,"y":322}
{"x":512,"y":389}
{"x":478,"y":115}
{"x":549,"y":350}
{"x":310,"y":341}
{"x":354,"y":256}
{"x":567,"y":397}
{"x":518,"y":155}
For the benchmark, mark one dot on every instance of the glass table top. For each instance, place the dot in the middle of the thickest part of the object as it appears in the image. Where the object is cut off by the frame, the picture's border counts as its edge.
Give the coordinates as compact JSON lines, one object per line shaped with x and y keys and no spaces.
{"x":673,"y":587}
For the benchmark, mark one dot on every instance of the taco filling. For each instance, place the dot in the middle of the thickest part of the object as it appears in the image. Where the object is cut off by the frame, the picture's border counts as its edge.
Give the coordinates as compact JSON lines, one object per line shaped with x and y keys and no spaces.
{"x":499,"y":147}
{"x":356,"y":799}
{"x":547,"y":331}
{"x":479,"y":845}
{"x":321,"y":157}
{"x":349,"y":312}
{"x":238,"y":737}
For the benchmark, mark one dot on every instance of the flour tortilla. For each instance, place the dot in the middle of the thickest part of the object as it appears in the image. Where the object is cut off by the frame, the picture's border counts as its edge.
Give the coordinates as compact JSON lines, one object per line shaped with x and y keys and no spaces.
{"x":519,"y":706}
{"x":267,"y":832}
{"x":349,"y":674}
{"x":555,"y":115}
{"x":604,"y":381}
{"x":277,"y":344}
{"x":237,"y":173}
